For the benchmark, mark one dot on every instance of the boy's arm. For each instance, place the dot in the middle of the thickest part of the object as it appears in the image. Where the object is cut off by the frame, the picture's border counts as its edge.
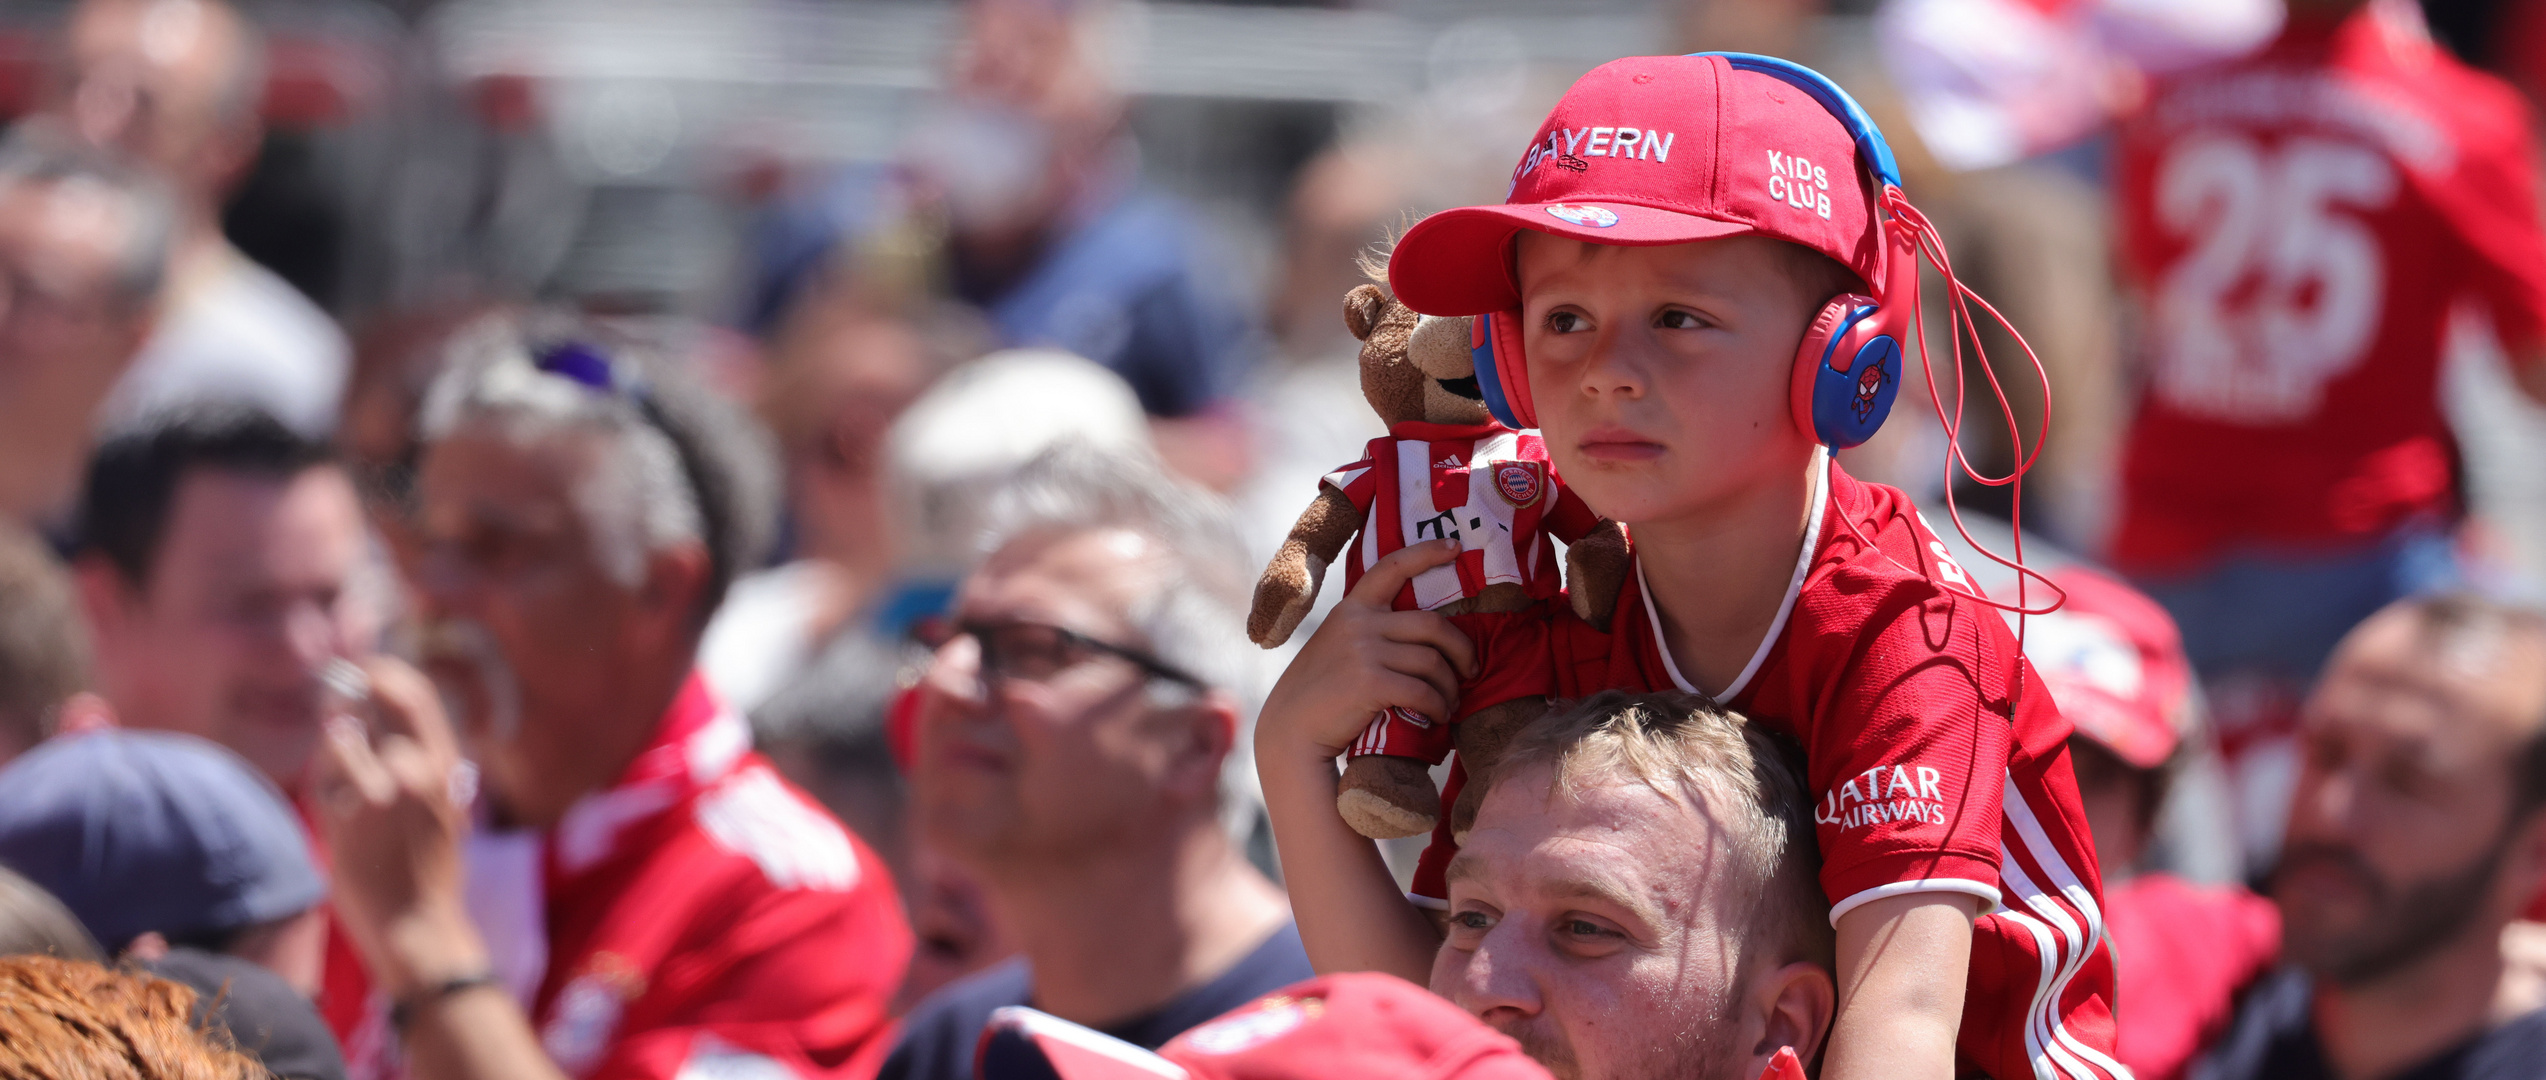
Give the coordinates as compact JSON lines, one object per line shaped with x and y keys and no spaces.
{"x":1897,"y":1018}
{"x":1362,"y":659}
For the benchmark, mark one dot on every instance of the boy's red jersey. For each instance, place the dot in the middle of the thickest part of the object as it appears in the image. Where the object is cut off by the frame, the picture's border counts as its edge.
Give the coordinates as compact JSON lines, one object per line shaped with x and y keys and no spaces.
{"x":2301,"y":224}
{"x":1934,"y":756}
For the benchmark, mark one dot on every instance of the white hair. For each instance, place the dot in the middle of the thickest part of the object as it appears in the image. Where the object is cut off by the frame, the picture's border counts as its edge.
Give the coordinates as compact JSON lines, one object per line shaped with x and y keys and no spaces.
{"x":1193,"y":615}
{"x":637,"y":498}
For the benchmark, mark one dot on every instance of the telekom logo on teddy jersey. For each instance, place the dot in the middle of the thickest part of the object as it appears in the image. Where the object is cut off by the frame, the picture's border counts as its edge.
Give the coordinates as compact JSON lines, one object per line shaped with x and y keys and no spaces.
{"x":1572,"y":148}
{"x":1884,"y":794}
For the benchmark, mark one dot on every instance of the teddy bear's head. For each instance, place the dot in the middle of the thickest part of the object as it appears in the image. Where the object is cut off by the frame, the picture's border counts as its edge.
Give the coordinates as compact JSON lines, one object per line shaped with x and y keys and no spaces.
{"x":1413,"y":367}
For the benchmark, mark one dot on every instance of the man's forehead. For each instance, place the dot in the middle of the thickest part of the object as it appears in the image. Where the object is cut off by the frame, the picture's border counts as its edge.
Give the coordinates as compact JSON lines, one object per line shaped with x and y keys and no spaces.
{"x":1064,"y":576}
{"x":2400,"y":680}
{"x":1615,"y":829}
{"x":483,"y":469}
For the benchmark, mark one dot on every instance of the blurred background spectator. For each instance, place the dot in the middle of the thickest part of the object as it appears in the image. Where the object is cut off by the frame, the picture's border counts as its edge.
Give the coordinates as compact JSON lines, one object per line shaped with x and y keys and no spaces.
{"x":74,"y":1018}
{"x":176,"y":85}
{"x":647,"y":896}
{"x":33,"y":921}
{"x":1076,"y":729}
{"x":161,"y":842}
{"x":44,"y":652}
{"x":2417,"y":834}
{"x":222,"y":562}
{"x":85,"y":243}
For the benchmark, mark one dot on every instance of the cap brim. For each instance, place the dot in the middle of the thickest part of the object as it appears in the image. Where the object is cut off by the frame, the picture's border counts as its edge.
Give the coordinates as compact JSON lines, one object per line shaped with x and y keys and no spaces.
{"x":1453,"y":263}
{"x":1026,"y":1044}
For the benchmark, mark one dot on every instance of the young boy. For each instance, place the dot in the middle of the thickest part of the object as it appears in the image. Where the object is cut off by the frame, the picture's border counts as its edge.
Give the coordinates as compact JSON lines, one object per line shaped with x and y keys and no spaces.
{"x":1662,"y":285}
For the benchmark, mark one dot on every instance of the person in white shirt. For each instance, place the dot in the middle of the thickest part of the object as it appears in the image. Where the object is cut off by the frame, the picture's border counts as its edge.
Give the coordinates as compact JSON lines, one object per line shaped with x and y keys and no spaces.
{"x":175,"y":84}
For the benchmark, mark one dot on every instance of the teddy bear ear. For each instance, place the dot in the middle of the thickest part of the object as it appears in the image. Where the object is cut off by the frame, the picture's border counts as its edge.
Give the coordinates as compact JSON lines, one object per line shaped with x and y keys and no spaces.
{"x":1363,"y":308}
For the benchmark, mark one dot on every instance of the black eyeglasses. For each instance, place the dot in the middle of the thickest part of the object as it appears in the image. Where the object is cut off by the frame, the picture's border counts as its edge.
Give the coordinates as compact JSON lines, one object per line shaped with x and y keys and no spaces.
{"x":1036,"y":651}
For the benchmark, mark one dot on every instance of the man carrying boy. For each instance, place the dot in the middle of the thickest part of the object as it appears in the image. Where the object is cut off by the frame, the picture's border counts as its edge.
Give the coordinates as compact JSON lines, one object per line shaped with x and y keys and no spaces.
{"x":1660,"y":287}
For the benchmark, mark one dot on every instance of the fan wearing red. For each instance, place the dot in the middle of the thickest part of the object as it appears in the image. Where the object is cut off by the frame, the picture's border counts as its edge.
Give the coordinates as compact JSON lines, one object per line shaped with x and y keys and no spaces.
{"x":1704,"y":260}
{"x":2303,"y":228}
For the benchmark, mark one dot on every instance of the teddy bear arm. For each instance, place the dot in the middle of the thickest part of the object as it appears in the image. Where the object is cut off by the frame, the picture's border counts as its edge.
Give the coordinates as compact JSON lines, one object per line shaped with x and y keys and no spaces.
{"x":1289,"y":586}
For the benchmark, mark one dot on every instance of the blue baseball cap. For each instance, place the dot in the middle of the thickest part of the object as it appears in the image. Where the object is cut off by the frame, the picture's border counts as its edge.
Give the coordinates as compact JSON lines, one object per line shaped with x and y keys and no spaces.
{"x":138,"y":831}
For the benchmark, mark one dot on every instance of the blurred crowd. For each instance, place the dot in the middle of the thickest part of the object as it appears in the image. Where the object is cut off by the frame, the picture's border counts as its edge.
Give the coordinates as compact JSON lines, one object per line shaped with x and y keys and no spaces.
{"x":466,"y":612}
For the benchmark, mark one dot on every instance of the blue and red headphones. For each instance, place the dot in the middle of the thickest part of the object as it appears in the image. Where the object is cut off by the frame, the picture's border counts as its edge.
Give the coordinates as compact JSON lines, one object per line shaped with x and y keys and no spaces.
{"x":1848,"y":368}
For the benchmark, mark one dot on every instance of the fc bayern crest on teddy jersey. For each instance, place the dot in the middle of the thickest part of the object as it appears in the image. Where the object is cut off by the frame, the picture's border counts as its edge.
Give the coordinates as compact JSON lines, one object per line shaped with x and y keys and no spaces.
{"x":1589,"y":216}
{"x":1519,"y":482}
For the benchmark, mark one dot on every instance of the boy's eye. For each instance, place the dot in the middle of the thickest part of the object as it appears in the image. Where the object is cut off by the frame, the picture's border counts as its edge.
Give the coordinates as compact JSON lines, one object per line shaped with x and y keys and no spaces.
{"x":1679,"y":319}
{"x":1567,"y":322}
{"x":1472,"y":920}
{"x":1583,"y":928}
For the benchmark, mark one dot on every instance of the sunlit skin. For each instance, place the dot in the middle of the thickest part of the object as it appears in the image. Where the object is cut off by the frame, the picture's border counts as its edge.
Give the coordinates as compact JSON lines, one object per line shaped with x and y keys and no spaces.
{"x":1661,"y":374}
{"x":253,"y":588}
{"x":502,"y":543}
{"x":147,"y":78}
{"x":67,"y":332}
{"x":1085,"y":804}
{"x":2404,"y":794}
{"x":1055,"y":766}
{"x":1592,"y":928}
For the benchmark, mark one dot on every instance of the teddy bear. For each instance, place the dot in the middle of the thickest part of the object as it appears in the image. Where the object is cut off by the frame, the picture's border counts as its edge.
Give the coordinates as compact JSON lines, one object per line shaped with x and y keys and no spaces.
{"x":1445,"y":469}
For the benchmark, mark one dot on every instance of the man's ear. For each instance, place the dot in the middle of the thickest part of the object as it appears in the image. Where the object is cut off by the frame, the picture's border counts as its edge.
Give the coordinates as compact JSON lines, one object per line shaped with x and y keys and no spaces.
{"x":106,"y":599}
{"x":1210,"y":736}
{"x":1789,"y":1006}
{"x":2523,"y":873}
{"x":675,"y":578}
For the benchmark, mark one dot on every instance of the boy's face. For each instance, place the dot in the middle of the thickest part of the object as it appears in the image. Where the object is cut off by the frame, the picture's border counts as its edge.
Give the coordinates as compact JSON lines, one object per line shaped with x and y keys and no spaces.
{"x":1662,"y":374}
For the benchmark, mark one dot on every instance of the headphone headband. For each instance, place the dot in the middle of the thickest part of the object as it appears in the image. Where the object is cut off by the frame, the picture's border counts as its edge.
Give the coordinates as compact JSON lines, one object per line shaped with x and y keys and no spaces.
{"x":1876,"y":153}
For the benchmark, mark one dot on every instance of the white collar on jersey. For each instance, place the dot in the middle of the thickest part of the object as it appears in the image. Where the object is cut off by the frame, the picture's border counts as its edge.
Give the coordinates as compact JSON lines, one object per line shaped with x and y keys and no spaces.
{"x":1785,"y":607}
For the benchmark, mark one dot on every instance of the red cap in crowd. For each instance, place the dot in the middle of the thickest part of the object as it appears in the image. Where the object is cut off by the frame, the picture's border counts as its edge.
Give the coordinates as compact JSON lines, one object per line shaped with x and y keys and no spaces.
{"x":1655,"y":150}
{"x":2114,"y":663}
{"x":1337,"y":1027}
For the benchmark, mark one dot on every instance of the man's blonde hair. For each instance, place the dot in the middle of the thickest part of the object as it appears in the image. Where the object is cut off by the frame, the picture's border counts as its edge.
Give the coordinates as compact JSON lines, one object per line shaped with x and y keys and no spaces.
{"x":1689,"y":750}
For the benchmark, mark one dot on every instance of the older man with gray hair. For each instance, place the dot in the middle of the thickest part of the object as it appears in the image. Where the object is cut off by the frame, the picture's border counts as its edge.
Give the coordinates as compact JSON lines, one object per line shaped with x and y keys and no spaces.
{"x":84,"y":242}
{"x":1088,"y":692}
{"x":655,"y":898}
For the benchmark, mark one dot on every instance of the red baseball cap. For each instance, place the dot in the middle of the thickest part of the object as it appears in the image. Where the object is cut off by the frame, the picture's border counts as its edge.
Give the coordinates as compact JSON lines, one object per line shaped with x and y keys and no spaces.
{"x":1656,"y":150}
{"x":1337,"y":1027}
{"x":2114,"y":663}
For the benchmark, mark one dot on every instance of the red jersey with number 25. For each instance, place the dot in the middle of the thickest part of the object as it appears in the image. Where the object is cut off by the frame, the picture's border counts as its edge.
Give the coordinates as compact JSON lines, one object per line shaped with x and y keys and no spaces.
{"x":1484,"y":485}
{"x":1935,"y":759}
{"x":2301,"y":224}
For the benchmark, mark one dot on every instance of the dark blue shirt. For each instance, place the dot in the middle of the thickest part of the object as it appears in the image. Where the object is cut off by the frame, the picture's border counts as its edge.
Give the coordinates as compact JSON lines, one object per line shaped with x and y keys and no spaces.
{"x":1128,"y":289}
{"x":2274,"y":1038}
{"x":939,"y":1037}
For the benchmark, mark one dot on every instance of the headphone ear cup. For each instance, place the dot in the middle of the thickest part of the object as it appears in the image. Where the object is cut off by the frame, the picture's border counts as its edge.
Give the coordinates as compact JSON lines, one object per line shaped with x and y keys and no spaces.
{"x":1854,"y":387}
{"x":1809,"y":358}
{"x":1502,"y":372}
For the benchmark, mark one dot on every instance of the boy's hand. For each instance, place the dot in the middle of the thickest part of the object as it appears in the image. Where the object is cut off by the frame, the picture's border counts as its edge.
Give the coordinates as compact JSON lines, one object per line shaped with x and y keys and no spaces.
{"x":1365,"y":658}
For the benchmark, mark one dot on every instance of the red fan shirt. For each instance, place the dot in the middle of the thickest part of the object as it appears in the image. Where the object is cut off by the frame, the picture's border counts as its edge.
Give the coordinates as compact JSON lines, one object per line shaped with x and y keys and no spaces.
{"x":703,"y":917}
{"x":2184,"y":954}
{"x":2301,"y":225}
{"x":1484,"y":485}
{"x":1934,"y":756}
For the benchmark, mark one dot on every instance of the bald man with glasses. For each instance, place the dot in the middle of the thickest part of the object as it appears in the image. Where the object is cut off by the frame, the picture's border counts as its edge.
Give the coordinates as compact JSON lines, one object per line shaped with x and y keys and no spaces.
{"x":1084,"y":700}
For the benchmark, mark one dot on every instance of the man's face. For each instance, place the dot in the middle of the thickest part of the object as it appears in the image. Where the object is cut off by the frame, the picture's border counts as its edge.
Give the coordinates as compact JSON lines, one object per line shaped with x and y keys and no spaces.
{"x":1662,"y":375}
{"x":252,"y":590}
{"x":1076,"y":759}
{"x":67,"y":332}
{"x":2400,"y":822}
{"x":522,"y":614}
{"x":1585,"y":927}
{"x":148,"y":77}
